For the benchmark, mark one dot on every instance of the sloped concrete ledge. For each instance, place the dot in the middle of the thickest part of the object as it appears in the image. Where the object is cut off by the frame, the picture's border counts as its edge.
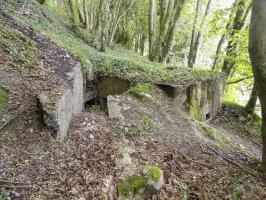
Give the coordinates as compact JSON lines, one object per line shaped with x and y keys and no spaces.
{"x":61,"y":104}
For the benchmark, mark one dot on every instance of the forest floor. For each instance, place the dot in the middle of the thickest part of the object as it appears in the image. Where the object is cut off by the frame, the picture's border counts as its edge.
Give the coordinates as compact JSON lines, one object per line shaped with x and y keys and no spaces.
{"x":198,"y":161}
{"x":87,"y":164}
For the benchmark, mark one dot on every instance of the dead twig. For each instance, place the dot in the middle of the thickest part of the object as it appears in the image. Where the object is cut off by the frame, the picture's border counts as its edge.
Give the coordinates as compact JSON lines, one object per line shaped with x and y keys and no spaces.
{"x":236,"y":164}
{"x":7,"y":122}
{"x":197,"y":162}
{"x":12,"y":182}
{"x":15,"y":186}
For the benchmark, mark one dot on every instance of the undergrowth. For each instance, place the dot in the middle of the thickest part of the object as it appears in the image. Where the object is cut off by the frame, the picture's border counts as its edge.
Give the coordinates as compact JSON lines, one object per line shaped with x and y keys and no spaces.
{"x":16,"y":49}
{"x":3,"y":97}
{"x":251,"y":124}
{"x":147,"y":126}
{"x":119,"y":64}
{"x":215,"y":135}
{"x":139,"y":90}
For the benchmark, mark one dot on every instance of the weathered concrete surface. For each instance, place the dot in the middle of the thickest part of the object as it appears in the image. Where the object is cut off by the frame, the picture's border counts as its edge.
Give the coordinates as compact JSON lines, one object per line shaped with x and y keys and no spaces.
{"x":115,"y":110}
{"x":112,"y":86}
{"x":201,"y":99}
{"x":61,"y":104}
{"x":204,"y":99}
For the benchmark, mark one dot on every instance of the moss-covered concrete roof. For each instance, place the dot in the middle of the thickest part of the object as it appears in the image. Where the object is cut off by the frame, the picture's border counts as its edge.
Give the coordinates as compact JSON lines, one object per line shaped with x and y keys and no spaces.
{"x":112,"y":63}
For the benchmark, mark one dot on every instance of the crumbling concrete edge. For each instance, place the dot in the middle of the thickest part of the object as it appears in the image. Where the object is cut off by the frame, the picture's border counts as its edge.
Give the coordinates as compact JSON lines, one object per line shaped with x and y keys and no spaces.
{"x":60,"y":105}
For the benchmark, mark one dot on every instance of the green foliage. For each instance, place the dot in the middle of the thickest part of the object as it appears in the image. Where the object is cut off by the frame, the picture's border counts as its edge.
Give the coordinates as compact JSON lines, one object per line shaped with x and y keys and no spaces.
{"x":3,"y":97}
{"x":155,"y":173}
{"x":251,"y":124}
{"x":131,"y":185}
{"x":147,"y":126}
{"x":138,"y":91}
{"x":96,"y":109}
{"x":4,"y":194}
{"x":52,"y":5}
{"x":215,"y":135}
{"x":147,"y":123}
{"x":122,"y":65}
{"x":237,"y":190}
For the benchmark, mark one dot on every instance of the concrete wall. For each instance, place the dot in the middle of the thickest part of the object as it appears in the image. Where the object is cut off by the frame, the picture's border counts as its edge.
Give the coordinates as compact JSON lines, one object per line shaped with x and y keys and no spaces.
{"x":201,"y":99}
{"x":61,"y":104}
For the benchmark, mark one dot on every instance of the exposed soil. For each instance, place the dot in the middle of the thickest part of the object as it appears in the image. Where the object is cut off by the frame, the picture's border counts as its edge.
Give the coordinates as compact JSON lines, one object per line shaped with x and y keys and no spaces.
{"x":34,"y":165}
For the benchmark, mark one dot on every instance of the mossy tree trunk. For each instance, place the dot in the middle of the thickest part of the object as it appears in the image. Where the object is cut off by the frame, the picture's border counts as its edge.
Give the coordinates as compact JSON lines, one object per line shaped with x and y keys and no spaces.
{"x":71,"y":11}
{"x":243,"y":9}
{"x":257,"y":49}
{"x":161,"y":36}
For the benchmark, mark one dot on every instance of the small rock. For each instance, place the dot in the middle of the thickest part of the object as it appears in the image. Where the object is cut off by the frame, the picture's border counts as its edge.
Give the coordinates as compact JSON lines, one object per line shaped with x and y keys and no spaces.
{"x":91,"y":136}
{"x":146,"y":95}
{"x":126,"y":107}
{"x":114,"y":109}
{"x":84,"y":123}
{"x":155,"y":179}
{"x":126,"y":130}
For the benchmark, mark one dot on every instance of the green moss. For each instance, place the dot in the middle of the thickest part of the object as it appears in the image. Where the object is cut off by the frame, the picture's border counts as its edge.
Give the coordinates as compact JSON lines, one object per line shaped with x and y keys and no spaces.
{"x":147,"y":126}
{"x":3,"y":97}
{"x":215,"y":135}
{"x":146,"y":123}
{"x":131,"y":186}
{"x":138,"y":90}
{"x":155,"y":173}
{"x":250,"y":124}
{"x":194,"y":104}
{"x":96,"y":109}
{"x":16,"y":49}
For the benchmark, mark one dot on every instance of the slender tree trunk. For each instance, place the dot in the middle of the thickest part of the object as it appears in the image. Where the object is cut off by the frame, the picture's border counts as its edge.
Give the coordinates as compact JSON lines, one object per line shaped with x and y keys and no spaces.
{"x":86,"y":13}
{"x":165,"y":12}
{"x":152,"y":29}
{"x":232,"y":47}
{"x":194,"y":35}
{"x":197,"y":42}
{"x":72,"y":12}
{"x":250,"y":107}
{"x":222,"y":40}
{"x":81,"y":13}
{"x":257,"y":49}
{"x":170,"y":33}
{"x":142,"y":44}
{"x":114,"y":28}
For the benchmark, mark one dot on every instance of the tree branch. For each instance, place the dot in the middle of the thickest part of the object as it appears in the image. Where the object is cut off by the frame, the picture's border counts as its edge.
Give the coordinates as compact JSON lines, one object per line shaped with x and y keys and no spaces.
{"x":239,"y":80}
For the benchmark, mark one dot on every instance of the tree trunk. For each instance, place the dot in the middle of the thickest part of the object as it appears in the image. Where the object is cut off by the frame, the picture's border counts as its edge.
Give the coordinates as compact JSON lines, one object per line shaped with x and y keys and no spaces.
{"x":72,"y":13}
{"x":114,"y":28}
{"x":257,"y":50}
{"x":152,"y":29}
{"x":222,"y":40}
{"x":86,"y":13}
{"x":198,"y":38}
{"x":170,"y":33}
{"x":194,"y":35}
{"x":232,"y":47}
{"x":142,"y":44}
{"x":81,"y":13}
{"x":250,"y":107}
